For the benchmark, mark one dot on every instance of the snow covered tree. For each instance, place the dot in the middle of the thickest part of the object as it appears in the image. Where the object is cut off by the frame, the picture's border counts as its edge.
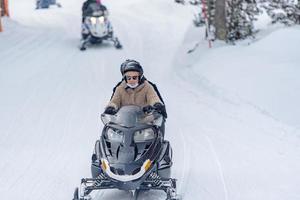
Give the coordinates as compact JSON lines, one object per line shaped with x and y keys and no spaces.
{"x":232,"y":20}
{"x":229,"y":20}
{"x":240,"y":16}
{"x":282,"y":11}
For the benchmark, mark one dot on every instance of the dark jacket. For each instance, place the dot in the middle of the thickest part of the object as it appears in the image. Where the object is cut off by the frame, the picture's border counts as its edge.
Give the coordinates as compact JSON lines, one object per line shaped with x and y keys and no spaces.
{"x":90,"y":6}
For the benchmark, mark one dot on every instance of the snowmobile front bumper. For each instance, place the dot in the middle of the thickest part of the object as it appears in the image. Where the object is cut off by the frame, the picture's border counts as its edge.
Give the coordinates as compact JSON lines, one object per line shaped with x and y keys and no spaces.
{"x":152,"y":182}
{"x":89,"y":39}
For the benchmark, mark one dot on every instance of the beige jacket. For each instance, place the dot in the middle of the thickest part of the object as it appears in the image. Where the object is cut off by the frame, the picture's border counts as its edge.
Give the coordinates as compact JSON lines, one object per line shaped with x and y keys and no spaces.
{"x":142,"y":95}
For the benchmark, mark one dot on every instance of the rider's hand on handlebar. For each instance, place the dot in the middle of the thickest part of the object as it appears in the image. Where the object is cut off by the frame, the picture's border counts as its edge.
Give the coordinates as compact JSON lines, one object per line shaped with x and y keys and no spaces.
{"x":110,"y":110}
{"x":160,"y":108}
{"x":148,"y":109}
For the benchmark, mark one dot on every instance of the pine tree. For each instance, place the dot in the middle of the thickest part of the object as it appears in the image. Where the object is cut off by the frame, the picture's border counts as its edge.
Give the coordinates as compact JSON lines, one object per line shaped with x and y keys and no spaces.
{"x":240,"y":17}
{"x":282,"y":11}
{"x":233,"y":20}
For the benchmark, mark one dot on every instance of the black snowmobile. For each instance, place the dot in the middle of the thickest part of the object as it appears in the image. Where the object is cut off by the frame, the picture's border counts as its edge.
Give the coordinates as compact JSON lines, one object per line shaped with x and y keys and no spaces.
{"x":96,"y":27}
{"x":130,"y":155}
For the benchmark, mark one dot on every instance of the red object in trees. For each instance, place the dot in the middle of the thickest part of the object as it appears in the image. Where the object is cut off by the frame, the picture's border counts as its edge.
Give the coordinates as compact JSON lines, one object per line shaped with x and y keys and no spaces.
{"x":1,"y":29}
{"x":4,"y":8}
{"x":206,"y":21}
{"x":6,"y":12}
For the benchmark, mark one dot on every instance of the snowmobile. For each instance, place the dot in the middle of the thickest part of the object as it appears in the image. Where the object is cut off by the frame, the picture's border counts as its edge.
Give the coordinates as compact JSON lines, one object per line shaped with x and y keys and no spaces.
{"x":97,"y":28}
{"x":195,"y":2}
{"x":180,"y":1}
{"x":131,"y":155}
{"x":40,"y":4}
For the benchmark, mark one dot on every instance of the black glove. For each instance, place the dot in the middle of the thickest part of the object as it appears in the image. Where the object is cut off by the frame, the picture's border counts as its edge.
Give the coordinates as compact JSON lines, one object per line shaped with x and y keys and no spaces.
{"x":160,"y":108}
{"x":148,"y":109}
{"x":110,"y":110}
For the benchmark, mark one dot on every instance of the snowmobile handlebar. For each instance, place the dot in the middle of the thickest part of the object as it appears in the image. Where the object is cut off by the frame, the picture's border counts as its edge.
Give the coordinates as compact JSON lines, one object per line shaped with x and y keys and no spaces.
{"x":134,"y":114}
{"x":156,"y":108}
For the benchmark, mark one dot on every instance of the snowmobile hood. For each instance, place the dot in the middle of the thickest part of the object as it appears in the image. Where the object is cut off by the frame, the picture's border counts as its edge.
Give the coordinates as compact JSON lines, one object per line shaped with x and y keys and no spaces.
{"x":130,"y":138}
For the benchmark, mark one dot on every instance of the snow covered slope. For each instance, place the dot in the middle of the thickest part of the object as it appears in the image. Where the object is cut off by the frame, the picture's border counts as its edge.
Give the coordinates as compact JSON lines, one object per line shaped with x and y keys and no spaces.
{"x":230,"y":138}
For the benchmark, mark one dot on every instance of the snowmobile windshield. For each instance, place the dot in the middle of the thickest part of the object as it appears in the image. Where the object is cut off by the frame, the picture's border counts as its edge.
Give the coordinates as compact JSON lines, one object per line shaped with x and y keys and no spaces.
{"x":98,"y":13}
{"x":97,"y":10}
{"x":133,"y":116}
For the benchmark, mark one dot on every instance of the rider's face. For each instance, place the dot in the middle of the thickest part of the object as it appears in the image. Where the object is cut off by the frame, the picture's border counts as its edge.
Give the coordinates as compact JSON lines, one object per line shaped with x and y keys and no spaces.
{"x":132,"y":77}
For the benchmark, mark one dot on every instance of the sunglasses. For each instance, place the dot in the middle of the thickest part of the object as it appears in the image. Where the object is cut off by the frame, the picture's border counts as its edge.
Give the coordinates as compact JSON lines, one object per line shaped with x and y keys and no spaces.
{"x":131,"y":77}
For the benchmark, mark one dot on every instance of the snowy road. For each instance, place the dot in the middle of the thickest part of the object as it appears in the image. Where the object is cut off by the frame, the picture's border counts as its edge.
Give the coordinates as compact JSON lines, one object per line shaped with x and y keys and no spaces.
{"x":225,"y":148}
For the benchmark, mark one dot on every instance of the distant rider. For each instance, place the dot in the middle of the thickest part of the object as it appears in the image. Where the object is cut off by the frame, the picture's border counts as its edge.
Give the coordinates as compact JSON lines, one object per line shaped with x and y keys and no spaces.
{"x":89,"y":6}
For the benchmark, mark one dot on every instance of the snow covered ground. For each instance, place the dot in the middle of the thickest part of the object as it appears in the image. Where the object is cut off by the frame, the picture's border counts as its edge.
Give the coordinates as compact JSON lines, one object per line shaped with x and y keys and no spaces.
{"x":233,"y":110}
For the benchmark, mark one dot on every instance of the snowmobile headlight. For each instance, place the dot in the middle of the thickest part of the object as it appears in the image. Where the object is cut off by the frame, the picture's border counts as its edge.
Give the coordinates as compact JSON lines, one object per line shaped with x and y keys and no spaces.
{"x":144,"y":135}
{"x":104,"y":165}
{"x":114,"y":135}
{"x":101,"y":19}
{"x":93,"y":20}
{"x":147,"y":164}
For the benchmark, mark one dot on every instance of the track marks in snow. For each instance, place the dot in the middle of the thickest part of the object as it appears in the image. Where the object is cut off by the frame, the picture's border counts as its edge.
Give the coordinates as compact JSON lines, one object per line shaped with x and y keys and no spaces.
{"x":218,"y":163}
{"x":184,"y":163}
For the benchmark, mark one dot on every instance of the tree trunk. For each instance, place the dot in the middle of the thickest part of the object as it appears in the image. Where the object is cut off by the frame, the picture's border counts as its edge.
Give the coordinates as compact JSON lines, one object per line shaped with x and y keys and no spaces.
{"x":4,"y":7}
{"x":1,"y":8}
{"x":220,"y":19}
{"x":3,"y":11}
{"x":1,"y":29}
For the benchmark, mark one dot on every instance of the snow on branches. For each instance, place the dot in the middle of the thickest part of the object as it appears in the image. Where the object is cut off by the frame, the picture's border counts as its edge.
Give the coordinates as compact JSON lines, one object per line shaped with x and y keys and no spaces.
{"x":239,"y":19}
{"x":241,"y":14}
{"x":282,"y":11}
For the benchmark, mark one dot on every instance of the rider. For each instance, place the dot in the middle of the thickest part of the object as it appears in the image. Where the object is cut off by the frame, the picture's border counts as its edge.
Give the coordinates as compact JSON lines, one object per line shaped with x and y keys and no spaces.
{"x":90,"y":5}
{"x":135,"y":89}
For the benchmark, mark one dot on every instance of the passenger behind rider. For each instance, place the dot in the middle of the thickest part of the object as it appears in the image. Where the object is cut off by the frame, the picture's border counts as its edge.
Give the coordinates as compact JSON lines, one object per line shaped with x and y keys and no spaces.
{"x":135,"y":89}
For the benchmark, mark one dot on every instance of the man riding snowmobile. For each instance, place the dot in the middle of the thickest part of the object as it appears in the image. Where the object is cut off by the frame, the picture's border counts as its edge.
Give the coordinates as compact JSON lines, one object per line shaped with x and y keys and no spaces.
{"x":95,"y":25}
{"x":132,"y":66}
{"x":131,"y":153}
{"x":87,"y":10}
{"x":135,"y":89}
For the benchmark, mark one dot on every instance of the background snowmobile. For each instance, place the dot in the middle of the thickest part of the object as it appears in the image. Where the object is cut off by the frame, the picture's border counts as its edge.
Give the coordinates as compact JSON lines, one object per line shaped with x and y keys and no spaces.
{"x":180,"y":1}
{"x":46,"y":4}
{"x":131,"y":155}
{"x":96,"y":28}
